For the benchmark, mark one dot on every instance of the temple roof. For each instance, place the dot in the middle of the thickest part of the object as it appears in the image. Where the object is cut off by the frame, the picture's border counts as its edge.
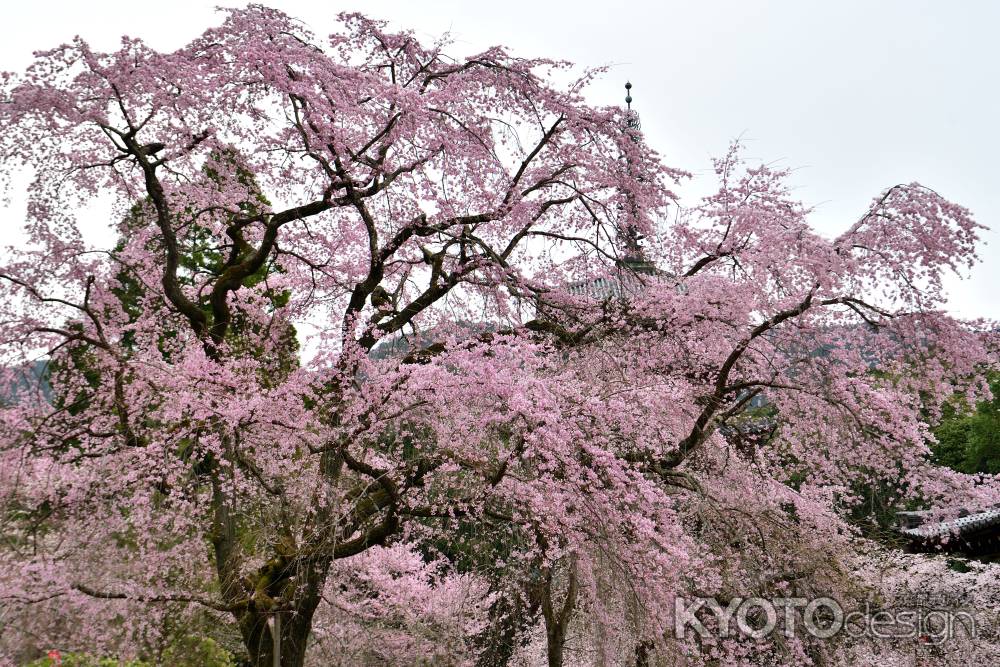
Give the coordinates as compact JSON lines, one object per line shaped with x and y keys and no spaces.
{"x":913,"y":524}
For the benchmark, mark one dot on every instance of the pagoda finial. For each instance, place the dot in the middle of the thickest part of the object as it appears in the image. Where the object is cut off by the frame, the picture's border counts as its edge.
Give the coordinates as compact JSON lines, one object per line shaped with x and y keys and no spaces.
{"x":631,"y":117}
{"x":634,"y":260}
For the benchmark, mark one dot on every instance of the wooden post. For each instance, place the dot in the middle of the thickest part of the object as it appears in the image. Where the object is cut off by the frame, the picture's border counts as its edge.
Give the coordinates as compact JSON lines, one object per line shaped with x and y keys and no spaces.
{"x":276,"y":638}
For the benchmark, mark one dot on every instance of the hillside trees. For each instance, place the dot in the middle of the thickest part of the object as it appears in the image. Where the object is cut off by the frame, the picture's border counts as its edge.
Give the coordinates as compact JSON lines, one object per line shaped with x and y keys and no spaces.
{"x":968,"y":437}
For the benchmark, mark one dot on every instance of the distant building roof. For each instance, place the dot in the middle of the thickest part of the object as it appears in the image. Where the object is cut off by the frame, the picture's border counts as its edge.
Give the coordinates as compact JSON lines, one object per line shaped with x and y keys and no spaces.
{"x":630,"y":280}
{"x":913,"y":524}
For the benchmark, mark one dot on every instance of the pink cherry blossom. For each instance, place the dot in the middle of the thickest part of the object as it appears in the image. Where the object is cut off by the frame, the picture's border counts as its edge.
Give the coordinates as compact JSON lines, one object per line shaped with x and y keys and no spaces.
{"x":371,"y":361}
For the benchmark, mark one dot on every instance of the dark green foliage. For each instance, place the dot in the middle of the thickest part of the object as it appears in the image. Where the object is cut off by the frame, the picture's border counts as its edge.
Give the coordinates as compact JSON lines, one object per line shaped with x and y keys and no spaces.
{"x":968,"y":440}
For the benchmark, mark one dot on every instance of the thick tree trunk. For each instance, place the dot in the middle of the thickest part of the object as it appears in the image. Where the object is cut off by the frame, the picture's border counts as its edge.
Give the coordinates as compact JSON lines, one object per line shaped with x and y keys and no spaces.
{"x":310,"y":577}
{"x":257,"y":638}
{"x":643,"y":651}
{"x":253,"y":623}
{"x":511,"y":615}
{"x":254,"y":619}
{"x":555,"y":639}
{"x":296,"y":627}
{"x":557,"y":621}
{"x":257,"y":627}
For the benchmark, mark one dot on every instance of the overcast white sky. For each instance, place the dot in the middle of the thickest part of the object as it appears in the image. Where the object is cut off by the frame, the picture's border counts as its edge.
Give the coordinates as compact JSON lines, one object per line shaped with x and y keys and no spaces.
{"x":855,"y":96}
